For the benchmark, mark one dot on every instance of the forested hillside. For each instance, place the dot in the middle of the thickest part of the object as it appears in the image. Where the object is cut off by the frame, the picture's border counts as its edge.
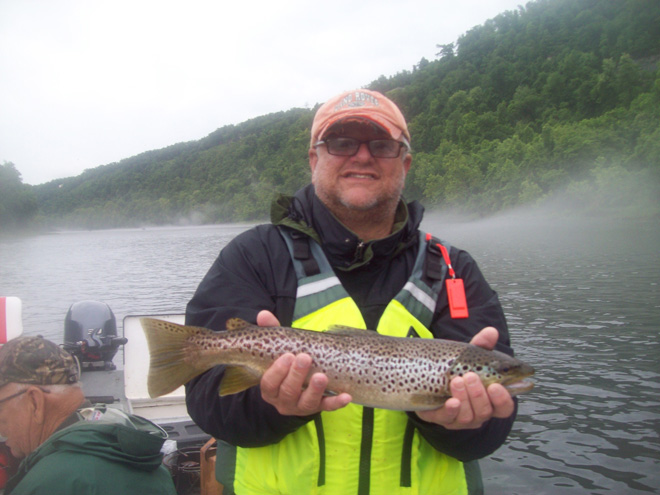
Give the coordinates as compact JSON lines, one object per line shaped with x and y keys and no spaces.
{"x":561,"y":95}
{"x":18,"y":204}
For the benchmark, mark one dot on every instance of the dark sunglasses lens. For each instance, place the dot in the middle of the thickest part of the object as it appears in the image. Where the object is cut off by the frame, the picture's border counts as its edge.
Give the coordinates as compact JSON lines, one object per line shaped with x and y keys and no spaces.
{"x":343,"y":146}
{"x":379,"y":148}
{"x":384,"y":148}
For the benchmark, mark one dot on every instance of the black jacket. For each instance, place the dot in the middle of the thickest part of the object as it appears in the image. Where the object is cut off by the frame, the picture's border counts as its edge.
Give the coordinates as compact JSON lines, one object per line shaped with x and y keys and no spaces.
{"x":254,"y":272}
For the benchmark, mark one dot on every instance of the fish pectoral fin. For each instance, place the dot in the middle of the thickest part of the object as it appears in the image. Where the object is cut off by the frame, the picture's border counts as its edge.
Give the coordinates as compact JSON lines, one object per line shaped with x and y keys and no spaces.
{"x":236,"y":324}
{"x":237,"y":379}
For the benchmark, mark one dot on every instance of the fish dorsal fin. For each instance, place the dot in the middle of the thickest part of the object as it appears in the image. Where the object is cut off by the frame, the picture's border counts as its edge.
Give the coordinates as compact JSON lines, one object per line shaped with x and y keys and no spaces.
{"x":351,"y":331}
{"x":236,"y":324}
{"x":236,"y":379}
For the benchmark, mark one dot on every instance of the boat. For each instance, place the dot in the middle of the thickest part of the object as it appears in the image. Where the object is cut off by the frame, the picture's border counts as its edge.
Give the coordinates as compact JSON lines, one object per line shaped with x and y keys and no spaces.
{"x":91,"y":335}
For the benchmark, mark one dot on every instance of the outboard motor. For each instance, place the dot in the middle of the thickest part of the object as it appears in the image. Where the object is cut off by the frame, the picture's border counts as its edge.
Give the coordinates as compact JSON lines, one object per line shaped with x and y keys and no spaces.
{"x":90,"y":333}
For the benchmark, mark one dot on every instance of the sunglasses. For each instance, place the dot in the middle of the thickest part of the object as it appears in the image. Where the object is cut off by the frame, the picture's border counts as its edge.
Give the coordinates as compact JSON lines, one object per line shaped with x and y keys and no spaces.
{"x":347,"y":146}
{"x":12,"y":396}
{"x":21,"y":393}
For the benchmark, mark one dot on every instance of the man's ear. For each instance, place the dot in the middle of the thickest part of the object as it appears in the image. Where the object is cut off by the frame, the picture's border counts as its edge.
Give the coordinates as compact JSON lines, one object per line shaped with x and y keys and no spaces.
{"x":36,"y":400}
{"x":407,"y":160}
{"x":313,"y":159}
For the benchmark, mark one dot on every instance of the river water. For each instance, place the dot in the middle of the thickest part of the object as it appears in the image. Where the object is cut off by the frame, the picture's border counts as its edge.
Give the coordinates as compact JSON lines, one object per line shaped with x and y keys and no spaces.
{"x":581,"y":296}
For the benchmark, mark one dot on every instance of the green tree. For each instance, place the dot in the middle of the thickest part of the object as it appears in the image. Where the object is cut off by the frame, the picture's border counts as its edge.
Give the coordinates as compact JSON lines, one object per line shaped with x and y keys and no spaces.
{"x":18,"y":204}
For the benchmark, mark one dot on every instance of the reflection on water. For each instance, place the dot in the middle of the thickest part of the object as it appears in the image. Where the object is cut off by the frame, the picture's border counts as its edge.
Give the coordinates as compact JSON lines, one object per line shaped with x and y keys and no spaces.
{"x":581,"y":297}
{"x":583,"y":303}
{"x":147,"y":271}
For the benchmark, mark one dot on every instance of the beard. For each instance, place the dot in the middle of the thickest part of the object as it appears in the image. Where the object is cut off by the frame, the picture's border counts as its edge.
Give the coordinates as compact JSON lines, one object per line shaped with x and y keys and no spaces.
{"x":351,"y":206}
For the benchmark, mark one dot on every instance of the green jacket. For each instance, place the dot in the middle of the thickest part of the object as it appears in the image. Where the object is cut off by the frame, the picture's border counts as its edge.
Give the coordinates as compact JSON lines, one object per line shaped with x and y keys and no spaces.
{"x":103,"y":452}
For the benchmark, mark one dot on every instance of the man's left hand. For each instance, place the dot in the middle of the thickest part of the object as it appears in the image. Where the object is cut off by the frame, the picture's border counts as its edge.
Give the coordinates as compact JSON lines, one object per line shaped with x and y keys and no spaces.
{"x":471,"y":404}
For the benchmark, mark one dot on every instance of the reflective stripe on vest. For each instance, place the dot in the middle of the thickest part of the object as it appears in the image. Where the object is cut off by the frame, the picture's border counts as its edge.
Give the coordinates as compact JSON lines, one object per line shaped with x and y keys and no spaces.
{"x":319,"y":290}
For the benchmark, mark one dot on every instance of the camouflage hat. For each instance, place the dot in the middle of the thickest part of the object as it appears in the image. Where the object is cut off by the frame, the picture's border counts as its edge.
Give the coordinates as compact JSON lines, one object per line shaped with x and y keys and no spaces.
{"x":36,"y":361}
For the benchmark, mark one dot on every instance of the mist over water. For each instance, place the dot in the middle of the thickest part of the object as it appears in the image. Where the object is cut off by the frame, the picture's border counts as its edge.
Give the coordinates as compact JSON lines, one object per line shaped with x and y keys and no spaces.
{"x":582,"y":301}
{"x":580,"y":293}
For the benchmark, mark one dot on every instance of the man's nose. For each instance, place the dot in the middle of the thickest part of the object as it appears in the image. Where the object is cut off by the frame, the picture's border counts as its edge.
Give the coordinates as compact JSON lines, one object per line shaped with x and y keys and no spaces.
{"x":363,"y":151}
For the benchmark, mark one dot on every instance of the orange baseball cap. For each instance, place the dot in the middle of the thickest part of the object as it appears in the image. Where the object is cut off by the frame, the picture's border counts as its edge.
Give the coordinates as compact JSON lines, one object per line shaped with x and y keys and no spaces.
{"x":361,"y":104}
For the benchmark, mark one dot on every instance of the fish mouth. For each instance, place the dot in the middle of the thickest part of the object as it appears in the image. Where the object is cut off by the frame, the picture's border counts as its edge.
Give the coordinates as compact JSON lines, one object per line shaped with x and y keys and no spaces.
{"x":519,"y":387}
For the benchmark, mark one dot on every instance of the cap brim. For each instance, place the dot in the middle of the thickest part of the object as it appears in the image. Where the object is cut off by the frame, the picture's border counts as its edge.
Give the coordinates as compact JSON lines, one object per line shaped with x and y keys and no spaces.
{"x":388,"y":127}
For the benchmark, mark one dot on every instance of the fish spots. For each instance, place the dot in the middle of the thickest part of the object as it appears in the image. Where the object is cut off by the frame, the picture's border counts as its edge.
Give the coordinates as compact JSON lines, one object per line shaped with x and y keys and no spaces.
{"x":385,"y":371}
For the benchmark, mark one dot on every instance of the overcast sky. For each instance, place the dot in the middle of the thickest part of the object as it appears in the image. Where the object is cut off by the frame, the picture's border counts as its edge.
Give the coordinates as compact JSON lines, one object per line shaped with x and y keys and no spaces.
{"x":85,"y":83}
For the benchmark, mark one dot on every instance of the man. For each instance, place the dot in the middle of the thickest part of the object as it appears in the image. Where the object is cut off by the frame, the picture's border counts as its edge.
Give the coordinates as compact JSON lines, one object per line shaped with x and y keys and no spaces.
{"x":346,"y":250}
{"x":67,"y":448}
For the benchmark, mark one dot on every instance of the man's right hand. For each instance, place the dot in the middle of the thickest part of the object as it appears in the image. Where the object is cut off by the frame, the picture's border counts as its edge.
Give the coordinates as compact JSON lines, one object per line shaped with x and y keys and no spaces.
{"x":283,"y":384}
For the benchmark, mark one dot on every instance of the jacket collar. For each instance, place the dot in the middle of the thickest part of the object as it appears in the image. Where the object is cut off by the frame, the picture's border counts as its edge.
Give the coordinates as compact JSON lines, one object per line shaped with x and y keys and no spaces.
{"x":345,"y":250}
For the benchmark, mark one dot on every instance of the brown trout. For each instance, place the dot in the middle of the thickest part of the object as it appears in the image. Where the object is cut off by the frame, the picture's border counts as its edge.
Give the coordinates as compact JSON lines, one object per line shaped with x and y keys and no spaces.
{"x":406,"y":374}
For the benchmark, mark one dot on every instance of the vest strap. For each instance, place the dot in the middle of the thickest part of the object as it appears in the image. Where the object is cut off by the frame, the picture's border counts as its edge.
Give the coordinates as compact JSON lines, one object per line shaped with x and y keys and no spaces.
{"x":433,"y":264}
{"x":302,"y":253}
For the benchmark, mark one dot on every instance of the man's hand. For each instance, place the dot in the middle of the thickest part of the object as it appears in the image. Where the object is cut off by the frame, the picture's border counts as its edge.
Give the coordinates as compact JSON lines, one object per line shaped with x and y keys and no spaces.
{"x":471,"y":404}
{"x":283,"y":384}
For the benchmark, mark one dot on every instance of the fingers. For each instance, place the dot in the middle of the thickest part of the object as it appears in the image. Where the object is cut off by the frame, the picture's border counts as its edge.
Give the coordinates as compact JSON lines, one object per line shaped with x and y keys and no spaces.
{"x":284,"y":386}
{"x":475,"y":402}
{"x":291,"y":389}
{"x":444,"y":416}
{"x":486,"y":338}
{"x":471,"y":404}
{"x":267,"y":319}
{"x":503,"y":405}
{"x":468,"y":407}
{"x":274,"y":376}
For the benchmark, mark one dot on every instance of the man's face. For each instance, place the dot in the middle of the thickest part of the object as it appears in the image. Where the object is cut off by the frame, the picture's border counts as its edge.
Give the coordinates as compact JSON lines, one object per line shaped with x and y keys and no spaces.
{"x":359,"y":182}
{"x":15,"y":420}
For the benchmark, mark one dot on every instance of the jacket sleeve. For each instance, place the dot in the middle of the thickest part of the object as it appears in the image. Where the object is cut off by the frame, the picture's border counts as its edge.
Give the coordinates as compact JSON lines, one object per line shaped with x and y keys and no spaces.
{"x":484,"y":310}
{"x":251,"y":273}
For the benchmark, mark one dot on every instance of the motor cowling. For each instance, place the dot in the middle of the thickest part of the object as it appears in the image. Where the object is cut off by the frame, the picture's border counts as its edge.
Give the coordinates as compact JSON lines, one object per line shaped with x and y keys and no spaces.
{"x":90,"y":333}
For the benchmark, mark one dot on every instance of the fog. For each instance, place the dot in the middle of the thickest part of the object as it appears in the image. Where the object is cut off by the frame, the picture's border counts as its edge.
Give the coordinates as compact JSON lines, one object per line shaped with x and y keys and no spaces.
{"x":570,"y":217}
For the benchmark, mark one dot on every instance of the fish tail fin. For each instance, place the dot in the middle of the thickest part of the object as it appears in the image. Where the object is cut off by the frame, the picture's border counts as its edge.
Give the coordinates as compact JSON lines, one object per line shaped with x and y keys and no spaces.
{"x":168,"y":345}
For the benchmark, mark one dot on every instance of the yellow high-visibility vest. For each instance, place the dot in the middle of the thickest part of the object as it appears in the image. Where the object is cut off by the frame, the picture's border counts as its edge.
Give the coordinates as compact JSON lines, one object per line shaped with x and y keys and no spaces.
{"x":355,"y":450}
